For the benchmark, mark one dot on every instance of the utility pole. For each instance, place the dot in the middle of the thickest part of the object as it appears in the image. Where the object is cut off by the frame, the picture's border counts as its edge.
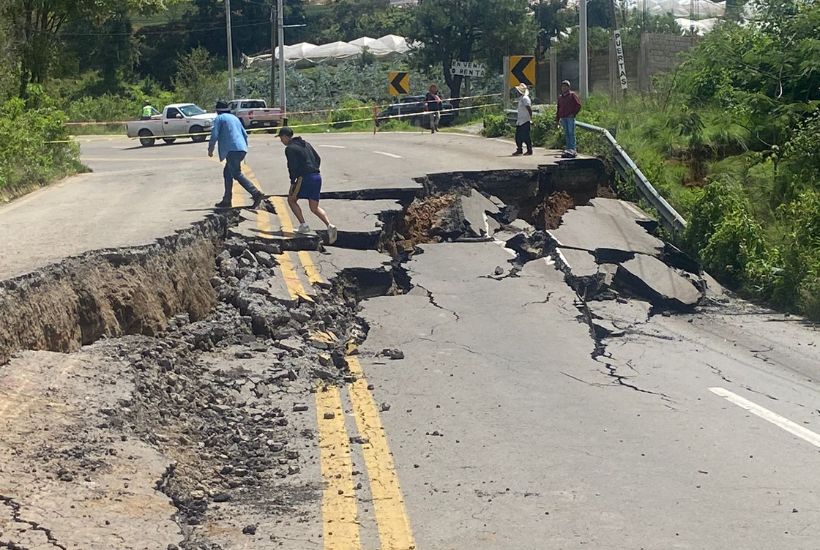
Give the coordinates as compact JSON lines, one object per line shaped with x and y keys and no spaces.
{"x":230,"y":48}
{"x":273,"y":55}
{"x":583,"y":69}
{"x":283,"y":102}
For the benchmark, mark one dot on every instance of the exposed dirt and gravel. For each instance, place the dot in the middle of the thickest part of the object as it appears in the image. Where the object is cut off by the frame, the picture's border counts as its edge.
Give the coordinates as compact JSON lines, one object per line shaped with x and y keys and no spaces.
{"x":422,"y":222}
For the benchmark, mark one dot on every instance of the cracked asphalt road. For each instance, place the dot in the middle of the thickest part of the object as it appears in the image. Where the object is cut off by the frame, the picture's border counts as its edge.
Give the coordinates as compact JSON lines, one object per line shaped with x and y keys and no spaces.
{"x":544,"y":446}
{"x":511,"y":425}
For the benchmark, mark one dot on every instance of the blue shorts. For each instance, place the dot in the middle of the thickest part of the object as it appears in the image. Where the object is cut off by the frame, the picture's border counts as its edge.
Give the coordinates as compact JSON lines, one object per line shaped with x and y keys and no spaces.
{"x":307,"y":187}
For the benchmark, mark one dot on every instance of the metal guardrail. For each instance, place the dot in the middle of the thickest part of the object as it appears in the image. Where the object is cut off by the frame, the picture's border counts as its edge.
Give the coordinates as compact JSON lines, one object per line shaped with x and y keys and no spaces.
{"x":628,"y":168}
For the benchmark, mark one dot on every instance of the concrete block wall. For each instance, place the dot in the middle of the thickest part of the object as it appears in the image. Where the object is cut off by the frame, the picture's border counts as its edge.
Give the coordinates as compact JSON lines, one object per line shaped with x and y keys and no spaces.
{"x":658,"y":53}
{"x":661,"y":53}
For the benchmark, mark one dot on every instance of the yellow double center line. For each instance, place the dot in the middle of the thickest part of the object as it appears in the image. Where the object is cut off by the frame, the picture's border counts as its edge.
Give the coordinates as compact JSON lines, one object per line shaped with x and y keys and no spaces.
{"x":341,"y":525}
{"x":286,"y":260}
{"x":340,"y":511}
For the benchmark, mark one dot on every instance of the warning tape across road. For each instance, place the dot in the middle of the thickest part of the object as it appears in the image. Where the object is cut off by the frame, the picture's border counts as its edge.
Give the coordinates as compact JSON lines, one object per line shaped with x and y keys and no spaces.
{"x":291,"y":113}
{"x":331,"y":123}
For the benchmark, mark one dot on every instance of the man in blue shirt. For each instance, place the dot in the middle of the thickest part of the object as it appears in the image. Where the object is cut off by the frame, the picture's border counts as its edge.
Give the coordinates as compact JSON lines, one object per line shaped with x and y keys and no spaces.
{"x":232,"y":138}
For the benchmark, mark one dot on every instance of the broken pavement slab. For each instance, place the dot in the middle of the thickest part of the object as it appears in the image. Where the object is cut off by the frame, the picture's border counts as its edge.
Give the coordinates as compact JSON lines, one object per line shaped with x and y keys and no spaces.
{"x":626,"y":209}
{"x":475,"y":208}
{"x":359,"y":222}
{"x":371,"y":272}
{"x":606,"y":235}
{"x":263,"y":227}
{"x":660,"y":283}
{"x":579,"y":264}
{"x":616,"y":317}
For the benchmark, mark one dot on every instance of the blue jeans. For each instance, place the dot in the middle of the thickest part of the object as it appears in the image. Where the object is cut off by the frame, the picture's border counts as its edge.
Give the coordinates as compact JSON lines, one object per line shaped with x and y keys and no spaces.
{"x":568,"y":125}
{"x":233,"y":171}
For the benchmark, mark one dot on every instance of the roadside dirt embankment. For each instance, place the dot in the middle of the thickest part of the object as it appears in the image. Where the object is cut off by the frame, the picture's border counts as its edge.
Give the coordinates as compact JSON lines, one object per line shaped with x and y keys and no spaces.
{"x":111,"y":292}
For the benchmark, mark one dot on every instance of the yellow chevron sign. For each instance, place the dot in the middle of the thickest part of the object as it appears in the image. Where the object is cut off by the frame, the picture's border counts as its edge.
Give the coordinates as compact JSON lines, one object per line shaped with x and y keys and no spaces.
{"x":522,"y":70}
{"x":398,"y":83}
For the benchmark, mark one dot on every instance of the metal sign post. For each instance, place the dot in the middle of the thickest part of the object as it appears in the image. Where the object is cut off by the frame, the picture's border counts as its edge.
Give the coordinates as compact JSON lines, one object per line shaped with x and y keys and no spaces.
{"x":583,"y":59}
{"x":505,"y":91}
{"x":230,"y":48}
{"x":283,"y":95}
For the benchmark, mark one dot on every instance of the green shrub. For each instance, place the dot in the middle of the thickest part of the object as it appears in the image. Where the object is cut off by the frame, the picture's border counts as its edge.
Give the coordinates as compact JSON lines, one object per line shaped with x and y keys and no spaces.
{"x":36,"y":148}
{"x":397,"y":125}
{"x":496,"y":126}
{"x":545,"y":133}
{"x":351,"y":110}
{"x":799,"y":247}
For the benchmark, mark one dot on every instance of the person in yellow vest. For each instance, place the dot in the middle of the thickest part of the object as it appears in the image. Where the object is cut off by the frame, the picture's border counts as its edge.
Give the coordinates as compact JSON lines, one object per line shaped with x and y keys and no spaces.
{"x":148,"y":111}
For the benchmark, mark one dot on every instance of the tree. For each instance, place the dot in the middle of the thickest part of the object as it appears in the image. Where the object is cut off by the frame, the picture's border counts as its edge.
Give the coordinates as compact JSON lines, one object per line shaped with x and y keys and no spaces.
{"x":471,"y":30}
{"x":351,"y":19}
{"x":37,"y":25}
{"x":8,"y":64}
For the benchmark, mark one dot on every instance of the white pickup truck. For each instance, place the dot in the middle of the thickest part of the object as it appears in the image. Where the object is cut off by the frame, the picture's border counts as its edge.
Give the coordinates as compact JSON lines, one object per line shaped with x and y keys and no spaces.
{"x":176,"y":121}
{"x":254,"y":113}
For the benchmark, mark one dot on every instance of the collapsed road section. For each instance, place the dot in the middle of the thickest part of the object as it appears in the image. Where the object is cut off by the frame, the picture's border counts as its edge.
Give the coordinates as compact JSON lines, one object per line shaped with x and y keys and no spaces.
{"x":192,"y":414}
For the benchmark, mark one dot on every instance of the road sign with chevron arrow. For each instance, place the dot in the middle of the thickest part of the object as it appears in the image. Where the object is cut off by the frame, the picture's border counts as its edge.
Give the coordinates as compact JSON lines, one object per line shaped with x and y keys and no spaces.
{"x":522,"y":70}
{"x":398,"y":83}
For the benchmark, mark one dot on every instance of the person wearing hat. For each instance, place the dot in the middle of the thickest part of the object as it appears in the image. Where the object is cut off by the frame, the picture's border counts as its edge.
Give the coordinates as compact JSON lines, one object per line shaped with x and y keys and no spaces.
{"x":523,"y":123}
{"x":232,"y":139}
{"x":148,"y":111}
{"x":569,"y":105}
{"x":305,"y":180}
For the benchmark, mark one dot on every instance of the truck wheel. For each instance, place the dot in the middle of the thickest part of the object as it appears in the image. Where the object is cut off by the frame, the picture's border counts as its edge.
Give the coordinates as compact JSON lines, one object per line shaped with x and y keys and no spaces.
{"x":197,"y":130}
{"x":169,"y":141}
{"x":145,"y":138}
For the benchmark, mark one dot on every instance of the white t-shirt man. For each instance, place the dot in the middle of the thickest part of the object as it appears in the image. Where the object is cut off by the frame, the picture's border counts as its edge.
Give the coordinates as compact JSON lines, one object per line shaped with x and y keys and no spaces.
{"x":524,"y":105}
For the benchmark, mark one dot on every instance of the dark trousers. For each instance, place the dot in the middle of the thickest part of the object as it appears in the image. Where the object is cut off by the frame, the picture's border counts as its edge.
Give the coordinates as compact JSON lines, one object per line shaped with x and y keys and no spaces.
{"x":233,"y":171}
{"x":523,"y":136}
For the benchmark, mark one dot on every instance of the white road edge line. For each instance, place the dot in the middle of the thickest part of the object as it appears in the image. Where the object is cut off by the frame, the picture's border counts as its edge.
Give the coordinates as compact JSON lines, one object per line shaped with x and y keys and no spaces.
{"x":391,"y":155}
{"x":779,"y":421}
{"x":333,"y":146}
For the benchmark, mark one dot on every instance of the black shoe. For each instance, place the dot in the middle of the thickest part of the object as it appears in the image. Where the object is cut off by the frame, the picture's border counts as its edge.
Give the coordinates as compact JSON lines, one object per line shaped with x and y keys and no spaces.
{"x":518,"y":153}
{"x":257,"y":200}
{"x":223,"y":204}
{"x":528,"y":153}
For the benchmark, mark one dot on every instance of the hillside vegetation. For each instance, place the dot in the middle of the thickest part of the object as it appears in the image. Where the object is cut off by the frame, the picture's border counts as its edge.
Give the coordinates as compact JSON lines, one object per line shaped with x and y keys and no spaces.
{"x":732,"y":139}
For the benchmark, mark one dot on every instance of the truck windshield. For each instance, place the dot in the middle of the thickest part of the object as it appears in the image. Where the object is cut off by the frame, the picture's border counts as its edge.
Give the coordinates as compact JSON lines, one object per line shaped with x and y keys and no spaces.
{"x":192,"y":110}
{"x":253,"y":104}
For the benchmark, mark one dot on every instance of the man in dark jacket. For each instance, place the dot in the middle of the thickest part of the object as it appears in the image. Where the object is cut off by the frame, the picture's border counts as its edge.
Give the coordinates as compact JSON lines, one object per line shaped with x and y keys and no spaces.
{"x":433,"y":106}
{"x":569,"y":104}
{"x":305,"y":180}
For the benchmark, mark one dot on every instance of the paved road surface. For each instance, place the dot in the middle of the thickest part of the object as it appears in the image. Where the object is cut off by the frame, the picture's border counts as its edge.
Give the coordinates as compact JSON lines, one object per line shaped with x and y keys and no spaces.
{"x":508,"y":427}
{"x":137,"y":194}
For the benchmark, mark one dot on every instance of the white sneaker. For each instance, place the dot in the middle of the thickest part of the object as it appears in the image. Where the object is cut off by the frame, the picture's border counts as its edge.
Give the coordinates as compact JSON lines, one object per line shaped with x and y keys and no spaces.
{"x":332,"y":233}
{"x":303,"y":228}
